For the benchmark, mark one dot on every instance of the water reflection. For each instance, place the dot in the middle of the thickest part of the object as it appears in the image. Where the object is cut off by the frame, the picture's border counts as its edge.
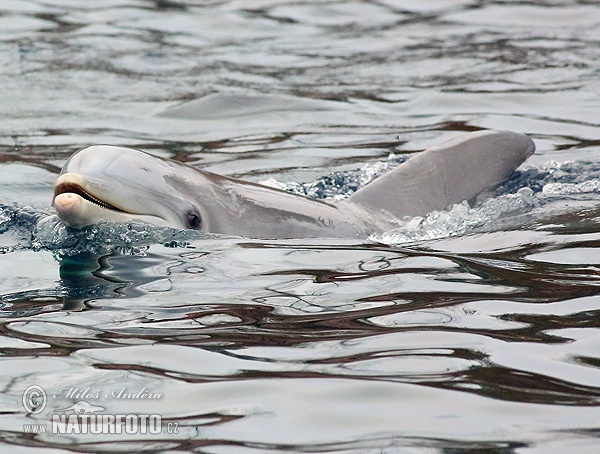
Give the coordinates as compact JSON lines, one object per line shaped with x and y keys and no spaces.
{"x":480,"y":333}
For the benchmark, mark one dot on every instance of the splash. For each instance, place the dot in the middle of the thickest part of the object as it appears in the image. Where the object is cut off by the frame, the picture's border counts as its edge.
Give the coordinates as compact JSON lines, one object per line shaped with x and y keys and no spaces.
{"x":530,"y":196}
{"x":461,"y":219}
{"x":587,"y":187}
{"x":16,"y":227}
{"x":105,"y":237}
{"x":338,"y":185}
{"x":24,"y":228}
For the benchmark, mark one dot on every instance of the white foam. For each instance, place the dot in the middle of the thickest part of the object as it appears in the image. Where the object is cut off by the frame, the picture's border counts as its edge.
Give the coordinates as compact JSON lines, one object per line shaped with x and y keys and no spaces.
{"x":460,"y":219}
{"x":587,"y":187}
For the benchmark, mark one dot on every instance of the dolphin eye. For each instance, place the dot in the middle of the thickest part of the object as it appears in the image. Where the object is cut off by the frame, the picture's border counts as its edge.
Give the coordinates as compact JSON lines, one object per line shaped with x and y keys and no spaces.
{"x":194,"y":220}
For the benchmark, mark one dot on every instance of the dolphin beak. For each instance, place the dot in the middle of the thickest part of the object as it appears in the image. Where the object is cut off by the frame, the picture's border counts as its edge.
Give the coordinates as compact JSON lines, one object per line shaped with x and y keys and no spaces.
{"x":77,"y":205}
{"x":69,"y":185}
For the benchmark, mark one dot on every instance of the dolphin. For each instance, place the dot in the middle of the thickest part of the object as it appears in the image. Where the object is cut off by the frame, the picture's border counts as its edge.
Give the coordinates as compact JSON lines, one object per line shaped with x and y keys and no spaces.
{"x":119,"y":184}
{"x":82,"y":408}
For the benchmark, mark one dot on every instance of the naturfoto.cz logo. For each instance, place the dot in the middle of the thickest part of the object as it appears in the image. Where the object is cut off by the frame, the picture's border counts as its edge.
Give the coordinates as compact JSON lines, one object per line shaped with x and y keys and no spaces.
{"x":82,"y":417}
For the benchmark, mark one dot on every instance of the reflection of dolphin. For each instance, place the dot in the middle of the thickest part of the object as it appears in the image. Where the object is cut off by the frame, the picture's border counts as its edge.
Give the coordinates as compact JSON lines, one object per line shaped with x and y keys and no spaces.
{"x":120,"y":184}
{"x":83,"y":408}
{"x":223,"y":106}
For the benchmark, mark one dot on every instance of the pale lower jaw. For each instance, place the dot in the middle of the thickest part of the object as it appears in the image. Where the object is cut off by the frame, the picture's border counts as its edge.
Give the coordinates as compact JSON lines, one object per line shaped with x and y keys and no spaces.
{"x":75,"y":211}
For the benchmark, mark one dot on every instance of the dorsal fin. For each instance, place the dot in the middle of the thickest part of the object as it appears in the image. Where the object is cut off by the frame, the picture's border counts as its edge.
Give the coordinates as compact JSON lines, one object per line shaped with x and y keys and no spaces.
{"x":446,"y":174}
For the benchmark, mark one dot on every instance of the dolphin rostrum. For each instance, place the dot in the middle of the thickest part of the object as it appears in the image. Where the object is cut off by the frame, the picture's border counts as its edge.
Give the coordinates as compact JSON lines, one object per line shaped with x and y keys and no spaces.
{"x":121,"y":184}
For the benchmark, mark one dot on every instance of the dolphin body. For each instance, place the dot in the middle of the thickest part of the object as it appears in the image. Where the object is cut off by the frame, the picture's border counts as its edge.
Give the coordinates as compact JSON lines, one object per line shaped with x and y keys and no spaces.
{"x":121,"y":184}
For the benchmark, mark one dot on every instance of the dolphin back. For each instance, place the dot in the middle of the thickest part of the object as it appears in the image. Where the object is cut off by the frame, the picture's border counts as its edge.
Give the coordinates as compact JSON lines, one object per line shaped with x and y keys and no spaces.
{"x":449,"y":173}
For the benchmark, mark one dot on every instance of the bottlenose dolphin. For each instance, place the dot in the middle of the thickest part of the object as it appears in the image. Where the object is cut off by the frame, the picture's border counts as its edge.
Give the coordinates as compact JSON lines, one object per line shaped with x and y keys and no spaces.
{"x":120,"y":184}
{"x":82,"y":408}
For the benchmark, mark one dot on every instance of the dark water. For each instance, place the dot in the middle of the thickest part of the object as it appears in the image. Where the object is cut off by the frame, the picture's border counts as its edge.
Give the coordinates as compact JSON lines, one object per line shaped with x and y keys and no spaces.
{"x":474,"y":329}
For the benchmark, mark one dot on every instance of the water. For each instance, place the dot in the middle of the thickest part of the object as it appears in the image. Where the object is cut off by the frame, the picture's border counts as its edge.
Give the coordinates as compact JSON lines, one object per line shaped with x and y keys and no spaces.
{"x":473,"y":329}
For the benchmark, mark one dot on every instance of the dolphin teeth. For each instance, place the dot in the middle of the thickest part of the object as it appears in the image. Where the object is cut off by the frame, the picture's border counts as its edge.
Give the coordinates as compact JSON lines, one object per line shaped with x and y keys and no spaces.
{"x":76,"y":189}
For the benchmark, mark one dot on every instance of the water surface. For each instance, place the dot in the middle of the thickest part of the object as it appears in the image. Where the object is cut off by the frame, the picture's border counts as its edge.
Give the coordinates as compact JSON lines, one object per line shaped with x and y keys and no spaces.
{"x":472,"y":329}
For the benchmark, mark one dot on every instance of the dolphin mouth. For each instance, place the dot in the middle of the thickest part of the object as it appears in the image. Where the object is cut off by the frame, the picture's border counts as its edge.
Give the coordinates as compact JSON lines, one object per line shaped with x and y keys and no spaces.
{"x":71,"y":187}
{"x":77,"y":204}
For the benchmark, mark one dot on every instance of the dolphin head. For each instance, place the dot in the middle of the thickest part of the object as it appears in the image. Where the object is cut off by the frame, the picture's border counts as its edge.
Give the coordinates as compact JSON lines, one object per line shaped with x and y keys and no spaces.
{"x":119,"y":184}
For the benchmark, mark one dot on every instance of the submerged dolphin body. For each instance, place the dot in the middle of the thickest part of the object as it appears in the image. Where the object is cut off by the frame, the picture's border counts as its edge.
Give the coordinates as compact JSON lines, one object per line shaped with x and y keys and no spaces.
{"x":121,"y":184}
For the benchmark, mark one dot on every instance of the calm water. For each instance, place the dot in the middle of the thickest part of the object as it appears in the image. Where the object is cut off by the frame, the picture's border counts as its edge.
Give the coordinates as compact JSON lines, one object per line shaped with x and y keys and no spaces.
{"x":471,"y":329}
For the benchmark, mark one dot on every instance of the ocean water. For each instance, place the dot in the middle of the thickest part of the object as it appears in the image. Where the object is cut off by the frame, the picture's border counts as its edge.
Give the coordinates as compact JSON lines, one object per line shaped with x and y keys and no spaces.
{"x":474,"y":329}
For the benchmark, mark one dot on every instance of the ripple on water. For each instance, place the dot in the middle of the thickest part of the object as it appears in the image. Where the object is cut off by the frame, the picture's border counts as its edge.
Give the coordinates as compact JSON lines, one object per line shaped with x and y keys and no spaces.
{"x":473,"y":328}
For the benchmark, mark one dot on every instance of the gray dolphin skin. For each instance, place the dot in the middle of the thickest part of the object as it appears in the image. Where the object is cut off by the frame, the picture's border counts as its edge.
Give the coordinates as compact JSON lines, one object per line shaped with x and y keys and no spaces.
{"x":121,"y":184}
